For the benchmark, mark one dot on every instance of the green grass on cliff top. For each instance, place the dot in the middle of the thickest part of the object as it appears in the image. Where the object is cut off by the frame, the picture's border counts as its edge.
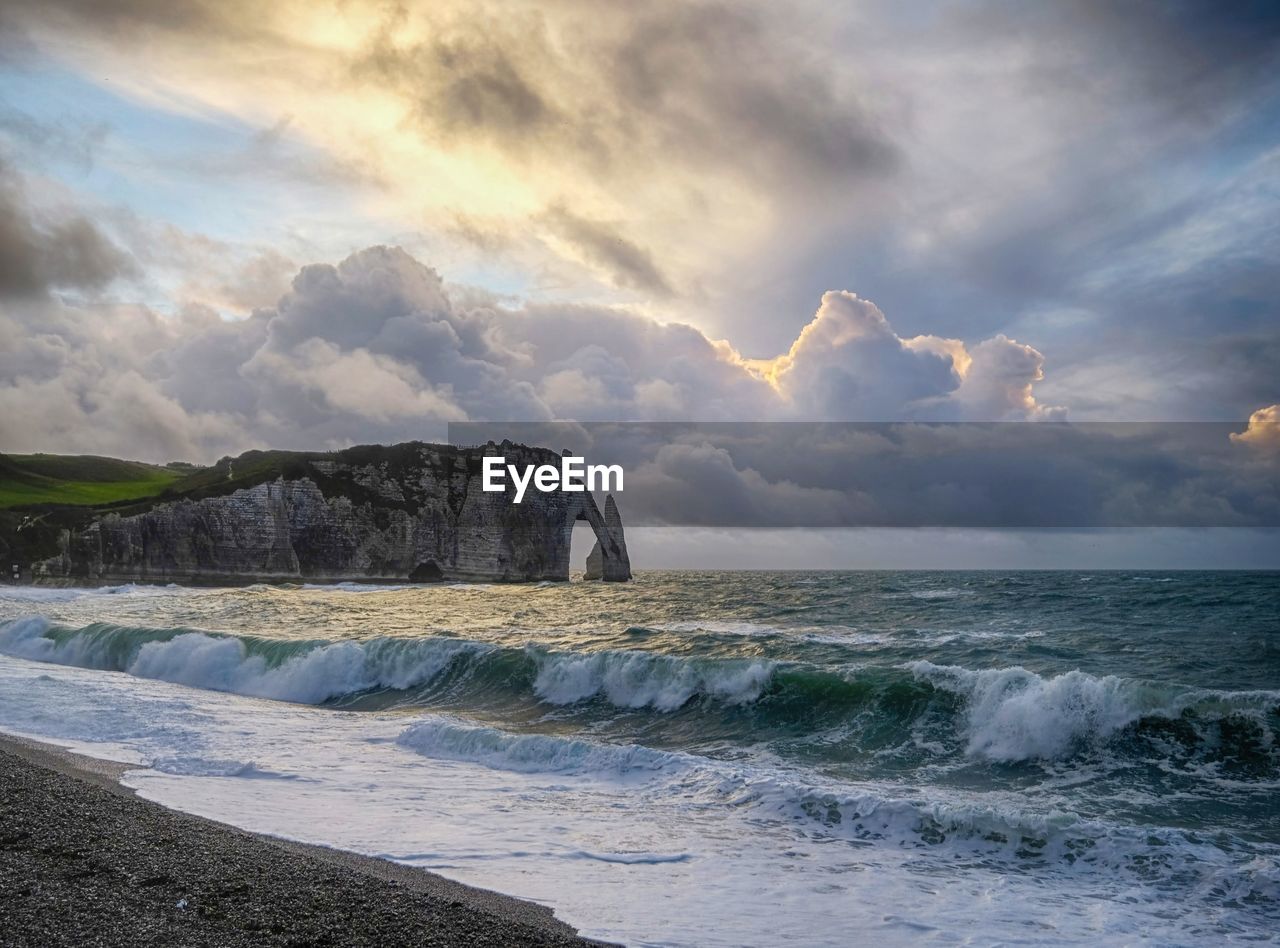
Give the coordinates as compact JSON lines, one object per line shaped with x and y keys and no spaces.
{"x":80,"y":480}
{"x":97,"y":482}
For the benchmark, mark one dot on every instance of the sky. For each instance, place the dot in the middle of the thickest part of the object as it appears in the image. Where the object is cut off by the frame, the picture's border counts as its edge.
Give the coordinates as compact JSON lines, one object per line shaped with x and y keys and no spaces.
{"x":227,"y":225}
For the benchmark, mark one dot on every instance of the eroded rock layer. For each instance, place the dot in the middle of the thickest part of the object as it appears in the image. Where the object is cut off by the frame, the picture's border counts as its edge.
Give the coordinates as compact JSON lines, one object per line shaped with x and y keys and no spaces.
{"x":407,"y":513}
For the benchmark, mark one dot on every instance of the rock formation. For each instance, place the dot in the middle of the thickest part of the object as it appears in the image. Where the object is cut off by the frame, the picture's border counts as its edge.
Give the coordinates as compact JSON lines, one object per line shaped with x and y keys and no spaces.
{"x":406,"y":513}
{"x":613,"y":565}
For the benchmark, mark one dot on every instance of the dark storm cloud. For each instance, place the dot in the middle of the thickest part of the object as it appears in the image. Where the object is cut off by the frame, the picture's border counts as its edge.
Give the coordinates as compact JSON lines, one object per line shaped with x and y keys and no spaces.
{"x":973,"y":475}
{"x":1190,"y":54}
{"x":635,"y":118}
{"x":1122,"y":165}
{"x":470,"y":84}
{"x":487,"y":91}
{"x":714,"y":81}
{"x":1245,"y":368}
{"x":43,"y":252}
{"x":631,"y":265}
{"x":627,"y":86}
{"x":973,"y":170}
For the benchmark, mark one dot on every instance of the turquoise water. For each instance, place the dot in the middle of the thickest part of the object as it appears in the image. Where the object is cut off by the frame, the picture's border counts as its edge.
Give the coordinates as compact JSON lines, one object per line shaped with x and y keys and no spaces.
{"x":1109,"y":722}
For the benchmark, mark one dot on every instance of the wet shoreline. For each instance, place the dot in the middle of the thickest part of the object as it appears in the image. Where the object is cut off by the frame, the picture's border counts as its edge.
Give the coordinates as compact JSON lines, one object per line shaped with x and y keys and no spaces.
{"x":84,"y":861}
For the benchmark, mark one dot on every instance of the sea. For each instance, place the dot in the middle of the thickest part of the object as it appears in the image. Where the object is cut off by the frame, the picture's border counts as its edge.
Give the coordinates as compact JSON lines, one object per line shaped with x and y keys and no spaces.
{"x":718,"y":758}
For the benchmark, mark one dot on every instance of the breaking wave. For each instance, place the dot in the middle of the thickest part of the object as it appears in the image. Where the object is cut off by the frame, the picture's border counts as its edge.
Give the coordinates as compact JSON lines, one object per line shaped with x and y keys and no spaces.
{"x":308,"y":673}
{"x":1002,"y":715}
{"x":440,"y":738}
{"x":998,"y":832}
{"x":1011,"y":714}
{"x":316,"y":672}
{"x":643,"y":679}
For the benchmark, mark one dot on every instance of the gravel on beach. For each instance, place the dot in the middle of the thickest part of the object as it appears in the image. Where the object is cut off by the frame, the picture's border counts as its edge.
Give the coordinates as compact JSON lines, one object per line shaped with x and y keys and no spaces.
{"x":85,"y":862}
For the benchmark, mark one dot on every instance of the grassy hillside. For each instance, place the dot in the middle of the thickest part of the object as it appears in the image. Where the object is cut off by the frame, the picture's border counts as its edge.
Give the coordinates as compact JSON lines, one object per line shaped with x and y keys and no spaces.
{"x":43,"y":495}
{"x":81,"y":481}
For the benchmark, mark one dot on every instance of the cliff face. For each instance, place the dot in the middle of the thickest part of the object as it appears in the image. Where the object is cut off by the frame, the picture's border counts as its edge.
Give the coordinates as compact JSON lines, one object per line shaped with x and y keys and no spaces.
{"x":608,"y":559}
{"x":413,"y":512}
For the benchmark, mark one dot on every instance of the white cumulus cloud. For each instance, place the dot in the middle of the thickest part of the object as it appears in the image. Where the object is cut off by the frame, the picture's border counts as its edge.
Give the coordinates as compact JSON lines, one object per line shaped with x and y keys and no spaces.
{"x":377,"y":348}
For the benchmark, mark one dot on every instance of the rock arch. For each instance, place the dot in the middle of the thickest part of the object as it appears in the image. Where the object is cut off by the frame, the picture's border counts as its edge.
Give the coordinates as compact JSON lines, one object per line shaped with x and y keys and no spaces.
{"x":608,"y":559}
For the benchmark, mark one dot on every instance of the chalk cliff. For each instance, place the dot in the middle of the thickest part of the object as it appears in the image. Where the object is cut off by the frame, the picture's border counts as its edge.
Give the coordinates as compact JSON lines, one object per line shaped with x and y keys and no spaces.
{"x":608,"y":559}
{"x":407,"y":513}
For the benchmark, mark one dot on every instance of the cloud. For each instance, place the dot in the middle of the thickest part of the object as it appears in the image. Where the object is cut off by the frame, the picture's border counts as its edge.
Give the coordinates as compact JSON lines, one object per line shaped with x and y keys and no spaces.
{"x":998,"y":381}
{"x":702,"y":482}
{"x":849,"y":364}
{"x":1187,"y":57}
{"x":124,"y":18}
{"x":85,"y":380}
{"x":192,"y":269}
{"x":603,"y":246}
{"x":979,"y":169}
{"x":42,"y":141}
{"x":376,"y":348}
{"x":941,"y":549}
{"x":922,"y":474}
{"x":43,"y":250}
{"x":468,"y":84}
{"x":1263,"y":430}
{"x":719,"y":82}
{"x":1112,"y":160}
{"x":357,"y":383}
{"x":634,"y":145}
{"x":609,"y":87}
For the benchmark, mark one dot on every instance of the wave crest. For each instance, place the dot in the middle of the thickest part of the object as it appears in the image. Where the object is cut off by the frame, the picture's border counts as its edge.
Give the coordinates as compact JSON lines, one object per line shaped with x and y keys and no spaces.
{"x":1003,"y":715}
{"x":441,"y":738}
{"x":316,"y":672}
{"x":996,"y":832}
{"x":307,"y":673}
{"x":632,"y":679}
{"x":1012,"y":714}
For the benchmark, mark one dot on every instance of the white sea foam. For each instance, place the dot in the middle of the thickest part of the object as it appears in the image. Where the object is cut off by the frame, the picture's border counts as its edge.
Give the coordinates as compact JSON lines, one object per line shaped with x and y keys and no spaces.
{"x":214,"y":767}
{"x":54,"y":594}
{"x":1014,"y":714}
{"x":644,"y":846}
{"x":948,"y":826}
{"x":354,"y":587}
{"x":28,"y":637}
{"x":315,"y":675}
{"x":862,"y":815}
{"x":826,"y":635}
{"x":721,"y":627}
{"x":442,"y":738}
{"x":841,"y":635}
{"x":318,"y":672}
{"x":632,"y":679}
{"x":930,"y":595}
{"x":224,"y":663}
